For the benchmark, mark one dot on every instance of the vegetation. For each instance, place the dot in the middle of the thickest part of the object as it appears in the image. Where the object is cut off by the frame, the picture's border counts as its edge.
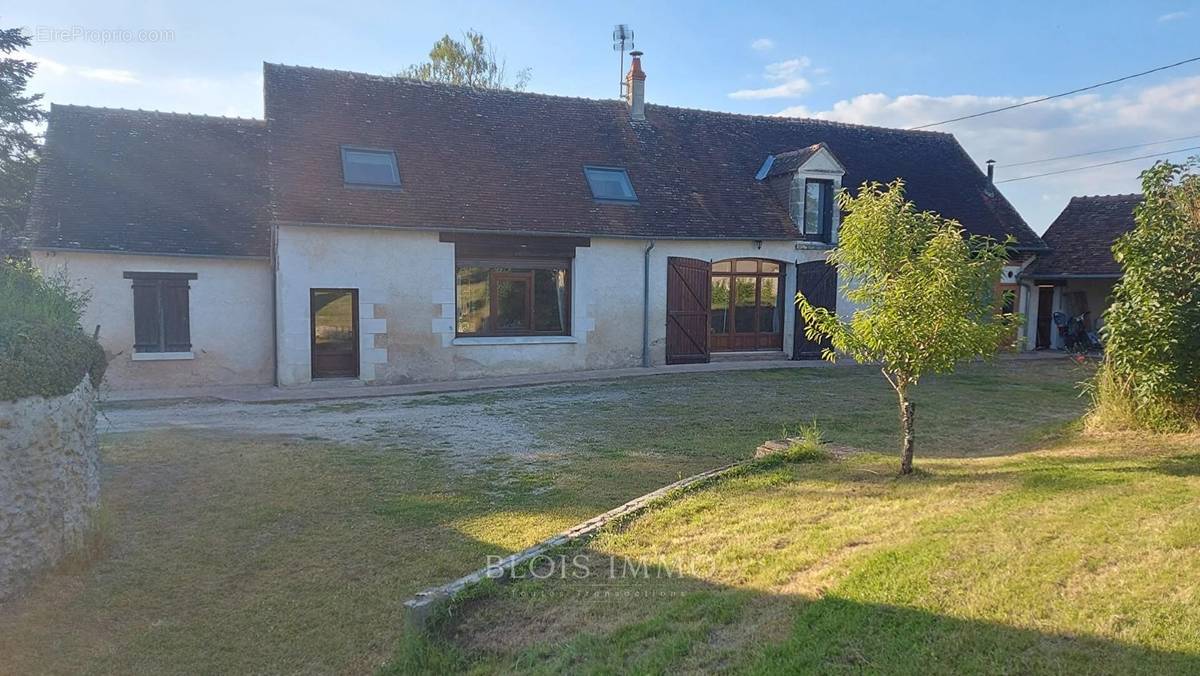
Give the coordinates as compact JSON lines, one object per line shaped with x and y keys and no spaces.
{"x":471,"y":62}
{"x":925,"y":293}
{"x":1151,"y":373}
{"x":43,"y":351}
{"x":249,"y":553}
{"x":1077,"y":558}
{"x":18,"y":145}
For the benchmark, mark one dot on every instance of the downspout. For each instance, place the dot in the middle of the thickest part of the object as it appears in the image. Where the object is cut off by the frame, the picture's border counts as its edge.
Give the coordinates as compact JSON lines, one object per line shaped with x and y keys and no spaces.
{"x":646,"y":307}
{"x":275,"y":305}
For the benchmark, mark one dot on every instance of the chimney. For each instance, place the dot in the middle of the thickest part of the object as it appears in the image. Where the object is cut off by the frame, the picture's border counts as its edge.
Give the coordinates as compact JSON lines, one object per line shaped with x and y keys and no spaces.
{"x":635,"y":88}
{"x":991,"y":164}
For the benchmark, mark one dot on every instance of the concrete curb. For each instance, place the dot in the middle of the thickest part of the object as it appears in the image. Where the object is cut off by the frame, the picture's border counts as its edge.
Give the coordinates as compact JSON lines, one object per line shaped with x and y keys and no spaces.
{"x":420,"y":608}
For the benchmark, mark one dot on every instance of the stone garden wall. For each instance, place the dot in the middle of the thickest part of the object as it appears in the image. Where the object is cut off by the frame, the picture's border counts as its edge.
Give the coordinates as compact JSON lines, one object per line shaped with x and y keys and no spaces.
{"x":49,"y":481}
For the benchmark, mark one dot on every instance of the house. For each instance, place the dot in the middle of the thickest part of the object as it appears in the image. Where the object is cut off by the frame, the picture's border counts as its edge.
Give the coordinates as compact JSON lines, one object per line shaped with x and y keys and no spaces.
{"x":1077,"y":274}
{"x":388,"y":230}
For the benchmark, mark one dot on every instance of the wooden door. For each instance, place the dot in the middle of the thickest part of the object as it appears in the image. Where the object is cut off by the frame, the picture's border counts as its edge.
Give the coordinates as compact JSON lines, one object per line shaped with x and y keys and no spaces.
{"x":1045,"y":316}
{"x":688,"y":287}
{"x":334,"y":315}
{"x":818,"y":282}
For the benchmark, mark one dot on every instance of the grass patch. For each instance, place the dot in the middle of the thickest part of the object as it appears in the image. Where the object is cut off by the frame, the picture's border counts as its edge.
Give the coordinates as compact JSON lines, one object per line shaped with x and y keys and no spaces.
{"x":1079,"y":559}
{"x":240,"y":553}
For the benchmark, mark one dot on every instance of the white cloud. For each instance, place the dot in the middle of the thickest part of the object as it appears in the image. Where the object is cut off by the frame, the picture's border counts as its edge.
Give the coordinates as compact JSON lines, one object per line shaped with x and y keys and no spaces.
{"x":58,"y":69}
{"x":787,"y":74}
{"x":1064,"y":126}
{"x":114,"y":75}
{"x":762,"y":45}
{"x":1172,"y":16}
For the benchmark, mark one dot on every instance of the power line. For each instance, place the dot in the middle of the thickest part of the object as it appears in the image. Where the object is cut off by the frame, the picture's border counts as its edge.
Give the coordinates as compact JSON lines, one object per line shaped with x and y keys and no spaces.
{"x":1102,"y":164}
{"x":1097,"y":152}
{"x":1057,"y":96}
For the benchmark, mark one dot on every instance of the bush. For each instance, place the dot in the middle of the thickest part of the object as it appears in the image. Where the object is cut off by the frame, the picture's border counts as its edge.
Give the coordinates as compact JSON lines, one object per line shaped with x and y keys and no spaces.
{"x":43,"y":351}
{"x":1151,"y":375}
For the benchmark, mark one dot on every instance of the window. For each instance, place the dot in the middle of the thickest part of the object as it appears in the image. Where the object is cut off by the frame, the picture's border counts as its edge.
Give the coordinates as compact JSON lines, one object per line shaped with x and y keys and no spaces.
{"x":366,"y":167}
{"x":610,"y":184}
{"x":160,"y":311}
{"x":747,"y":305}
{"x":505,"y":300}
{"x":812,"y":207}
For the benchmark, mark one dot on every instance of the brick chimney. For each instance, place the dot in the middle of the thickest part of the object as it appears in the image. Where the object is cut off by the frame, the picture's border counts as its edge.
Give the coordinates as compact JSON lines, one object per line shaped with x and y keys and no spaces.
{"x":635,"y":88}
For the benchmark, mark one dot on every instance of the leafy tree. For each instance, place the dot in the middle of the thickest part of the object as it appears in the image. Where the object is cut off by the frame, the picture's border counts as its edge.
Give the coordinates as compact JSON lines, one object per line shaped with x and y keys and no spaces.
{"x":1151,"y":375}
{"x":471,"y":62}
{"x":18,"y":144}
{"x":925,"y":294}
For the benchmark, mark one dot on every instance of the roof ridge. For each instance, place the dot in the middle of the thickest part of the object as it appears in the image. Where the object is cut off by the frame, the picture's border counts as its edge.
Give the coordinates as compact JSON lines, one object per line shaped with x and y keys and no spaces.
{"x":1122,"y":195}
{"x":444,"y":85}
{"x":783,"y":119}
{"x":162,"y":113}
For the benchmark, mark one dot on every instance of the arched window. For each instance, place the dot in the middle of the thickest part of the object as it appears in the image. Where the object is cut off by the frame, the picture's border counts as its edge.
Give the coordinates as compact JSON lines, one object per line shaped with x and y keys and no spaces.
{"x":747,"y":305}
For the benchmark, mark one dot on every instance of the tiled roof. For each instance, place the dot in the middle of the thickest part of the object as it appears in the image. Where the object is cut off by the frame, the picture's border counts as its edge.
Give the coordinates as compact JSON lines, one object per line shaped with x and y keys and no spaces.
{"x":150,"y":182}
{"x":1081,"y":238}
{"x":506,"y":161}
{"x":788,"y":162}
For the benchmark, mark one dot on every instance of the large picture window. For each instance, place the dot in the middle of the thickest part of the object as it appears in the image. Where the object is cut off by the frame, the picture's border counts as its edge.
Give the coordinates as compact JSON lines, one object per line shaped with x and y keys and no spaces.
{"x":518,"y":298}
{"x":161,"y":315}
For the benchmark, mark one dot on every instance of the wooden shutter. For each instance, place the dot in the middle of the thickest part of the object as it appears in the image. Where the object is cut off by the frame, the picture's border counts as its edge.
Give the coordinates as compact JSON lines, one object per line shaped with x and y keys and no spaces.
{"x":818,"y":282}
{"x":689,"y":291}
{"x":146,"y":318}
{"x":175,"y":311}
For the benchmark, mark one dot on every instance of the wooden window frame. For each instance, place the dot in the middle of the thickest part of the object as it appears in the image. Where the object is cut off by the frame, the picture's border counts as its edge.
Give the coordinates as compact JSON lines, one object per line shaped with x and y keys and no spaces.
{"x":515,"y":270}
{"x":730,"y":333}
{"x":158,"y":281}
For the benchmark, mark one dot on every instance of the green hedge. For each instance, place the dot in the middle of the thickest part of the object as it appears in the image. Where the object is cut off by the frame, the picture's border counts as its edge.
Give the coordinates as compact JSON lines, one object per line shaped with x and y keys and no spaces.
{"x":43,"y":351}
{"x":47,"y":360}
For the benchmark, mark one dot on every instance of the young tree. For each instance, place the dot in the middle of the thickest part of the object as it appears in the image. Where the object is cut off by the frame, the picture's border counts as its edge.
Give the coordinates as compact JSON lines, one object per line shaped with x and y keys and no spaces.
{"x":925,"y":294}
{"x":471,"y":62}
{"x":18,"y":144}
{"x":1151,"y":375}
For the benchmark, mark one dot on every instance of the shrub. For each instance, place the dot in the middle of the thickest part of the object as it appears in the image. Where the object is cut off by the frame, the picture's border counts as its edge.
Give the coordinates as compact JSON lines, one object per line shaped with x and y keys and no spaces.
{"x":43,"y":351}
{"x":1151,"y":375}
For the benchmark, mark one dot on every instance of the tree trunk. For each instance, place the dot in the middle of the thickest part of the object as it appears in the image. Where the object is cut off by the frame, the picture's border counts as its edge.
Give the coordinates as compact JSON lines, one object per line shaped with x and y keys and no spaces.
{"x":906,"y":430}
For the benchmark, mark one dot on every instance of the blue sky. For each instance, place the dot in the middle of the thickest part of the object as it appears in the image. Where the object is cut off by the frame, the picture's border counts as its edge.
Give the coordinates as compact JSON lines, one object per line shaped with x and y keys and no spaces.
{"x":894,"y":64}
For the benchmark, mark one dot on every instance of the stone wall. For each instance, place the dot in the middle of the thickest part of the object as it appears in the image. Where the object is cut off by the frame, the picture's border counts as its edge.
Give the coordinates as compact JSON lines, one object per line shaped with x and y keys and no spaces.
{"x":49,"y":481}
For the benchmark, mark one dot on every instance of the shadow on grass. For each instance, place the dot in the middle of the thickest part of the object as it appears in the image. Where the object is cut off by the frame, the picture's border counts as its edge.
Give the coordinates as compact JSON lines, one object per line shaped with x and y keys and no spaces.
{"x":652,"y":619}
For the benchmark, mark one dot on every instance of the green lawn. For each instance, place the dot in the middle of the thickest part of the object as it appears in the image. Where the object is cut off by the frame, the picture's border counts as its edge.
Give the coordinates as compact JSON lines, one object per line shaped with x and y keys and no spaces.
{"x":240,"y":553}
{"x":1082,"y":557}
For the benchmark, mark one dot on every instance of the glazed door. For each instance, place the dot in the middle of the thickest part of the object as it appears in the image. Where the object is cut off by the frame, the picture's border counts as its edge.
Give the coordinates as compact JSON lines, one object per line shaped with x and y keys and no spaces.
{"x":334,"y":314}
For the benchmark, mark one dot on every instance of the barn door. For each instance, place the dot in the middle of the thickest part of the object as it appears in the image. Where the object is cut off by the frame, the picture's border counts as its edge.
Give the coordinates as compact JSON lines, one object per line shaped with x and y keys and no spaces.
{"x":689,"y":286}
{"x":818,"y":282}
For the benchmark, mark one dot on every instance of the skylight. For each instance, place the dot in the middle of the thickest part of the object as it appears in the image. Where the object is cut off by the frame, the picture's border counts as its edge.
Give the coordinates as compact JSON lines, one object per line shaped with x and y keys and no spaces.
{"x":610,"y":184}
{"x":368,"y":167}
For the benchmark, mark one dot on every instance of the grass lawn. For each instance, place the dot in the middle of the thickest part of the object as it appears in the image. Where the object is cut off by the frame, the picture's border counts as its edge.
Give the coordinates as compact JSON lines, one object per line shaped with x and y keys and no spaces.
{"x":251,"y":553}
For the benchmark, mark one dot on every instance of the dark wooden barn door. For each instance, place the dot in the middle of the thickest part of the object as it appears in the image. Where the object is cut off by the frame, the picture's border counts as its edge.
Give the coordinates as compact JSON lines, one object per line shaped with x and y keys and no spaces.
{"x":688,"y":287}
{"x":818,"y":282}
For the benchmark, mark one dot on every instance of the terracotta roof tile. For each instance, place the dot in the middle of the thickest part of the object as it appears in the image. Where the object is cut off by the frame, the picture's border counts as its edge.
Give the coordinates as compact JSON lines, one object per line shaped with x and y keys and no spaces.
{"x":1081,"y":238}
{"x":151,"y":182}
{"x":506,"y":161}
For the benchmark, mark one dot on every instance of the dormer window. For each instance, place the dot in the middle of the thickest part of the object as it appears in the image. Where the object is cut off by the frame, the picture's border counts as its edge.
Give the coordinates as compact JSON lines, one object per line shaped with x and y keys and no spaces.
{"x":818,"y":208}
{"x":610,"y":184}
{"x":369,"y":167}
{"x":810,"y":177}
